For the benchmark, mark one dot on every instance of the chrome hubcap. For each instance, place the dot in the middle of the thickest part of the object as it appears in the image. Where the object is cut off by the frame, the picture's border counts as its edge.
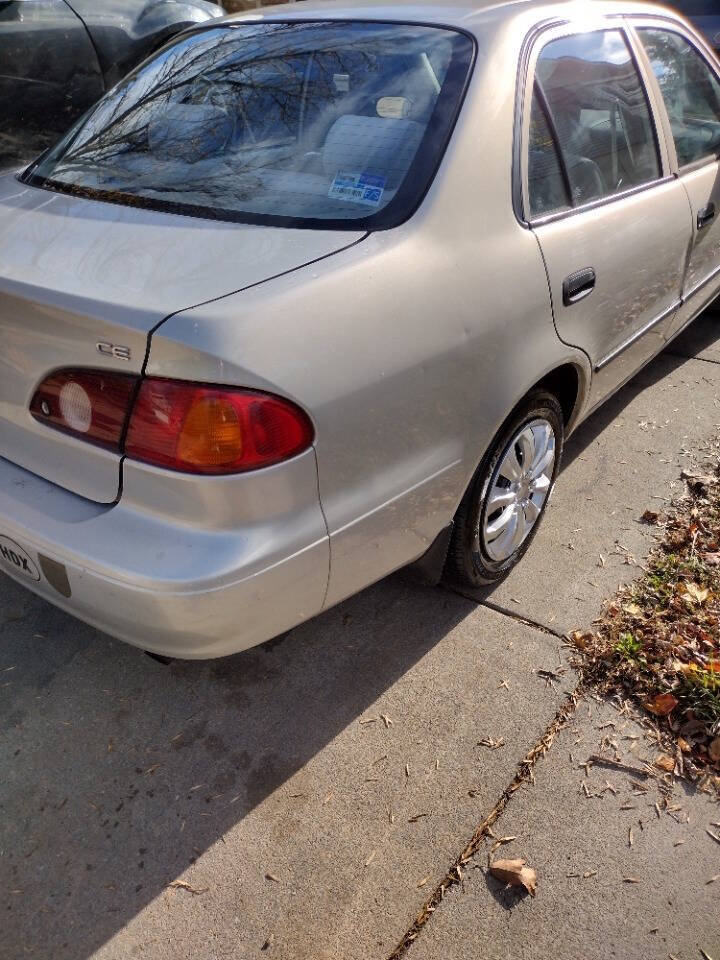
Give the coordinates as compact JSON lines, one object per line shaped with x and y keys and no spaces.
{"x":518,"y":490}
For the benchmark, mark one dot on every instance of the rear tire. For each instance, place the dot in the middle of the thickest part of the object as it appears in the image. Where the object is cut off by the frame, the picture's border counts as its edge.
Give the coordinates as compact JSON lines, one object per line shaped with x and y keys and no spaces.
{"x":504,"y":504}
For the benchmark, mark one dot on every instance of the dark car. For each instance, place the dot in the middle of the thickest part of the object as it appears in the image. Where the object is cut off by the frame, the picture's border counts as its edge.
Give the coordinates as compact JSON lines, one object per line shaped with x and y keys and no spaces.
{"x":57,"y":57}
{"x":705,"y":14}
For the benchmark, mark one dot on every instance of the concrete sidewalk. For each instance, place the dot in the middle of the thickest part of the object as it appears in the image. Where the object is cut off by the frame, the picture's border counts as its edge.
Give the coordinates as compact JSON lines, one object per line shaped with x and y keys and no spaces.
{"x":308,"y":795}
{"x":616,"y":878}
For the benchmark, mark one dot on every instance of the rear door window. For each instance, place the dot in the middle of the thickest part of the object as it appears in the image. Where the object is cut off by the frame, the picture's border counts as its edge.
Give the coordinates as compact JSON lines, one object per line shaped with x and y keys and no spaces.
{"x":597,"y":107}
{"x":547,"y":187}
{"x":691,"y":92}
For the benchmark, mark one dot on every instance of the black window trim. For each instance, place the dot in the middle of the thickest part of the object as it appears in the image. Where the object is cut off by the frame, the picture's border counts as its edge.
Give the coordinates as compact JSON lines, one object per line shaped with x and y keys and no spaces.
{"x":638,"y":22}
{"x":552,"y":127}
{"x":520,"y":162}
{"x":369,"y":224}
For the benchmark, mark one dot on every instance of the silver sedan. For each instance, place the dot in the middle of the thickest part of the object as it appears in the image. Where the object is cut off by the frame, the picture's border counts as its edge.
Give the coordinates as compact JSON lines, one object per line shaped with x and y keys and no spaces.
{"x":320,"y":291}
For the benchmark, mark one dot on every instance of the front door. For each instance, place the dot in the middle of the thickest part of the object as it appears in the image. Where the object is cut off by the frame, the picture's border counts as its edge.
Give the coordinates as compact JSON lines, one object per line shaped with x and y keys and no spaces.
{"x":613,"y":226}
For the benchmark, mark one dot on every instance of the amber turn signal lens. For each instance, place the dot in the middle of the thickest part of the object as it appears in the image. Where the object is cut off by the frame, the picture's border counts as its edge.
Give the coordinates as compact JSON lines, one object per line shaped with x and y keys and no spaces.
{"x":213,"y":430}
{"x":211,"y":433}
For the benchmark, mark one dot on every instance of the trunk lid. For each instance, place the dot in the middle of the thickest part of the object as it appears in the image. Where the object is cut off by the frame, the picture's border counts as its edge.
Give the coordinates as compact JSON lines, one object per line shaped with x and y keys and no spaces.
{"x":75,"y":273}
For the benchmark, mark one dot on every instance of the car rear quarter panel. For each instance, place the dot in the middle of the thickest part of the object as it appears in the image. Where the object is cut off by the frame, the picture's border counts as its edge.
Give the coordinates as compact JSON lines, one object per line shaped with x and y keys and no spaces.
{"x":409,"y":349}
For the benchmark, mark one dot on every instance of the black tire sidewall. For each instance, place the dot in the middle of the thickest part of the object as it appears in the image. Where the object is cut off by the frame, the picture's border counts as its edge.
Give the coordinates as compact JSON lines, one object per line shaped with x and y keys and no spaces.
{"x":478,"y":568}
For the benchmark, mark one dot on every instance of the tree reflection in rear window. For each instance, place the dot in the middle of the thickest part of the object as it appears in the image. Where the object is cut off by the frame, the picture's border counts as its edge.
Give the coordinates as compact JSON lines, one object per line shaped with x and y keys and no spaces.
{"x":332,"y":124}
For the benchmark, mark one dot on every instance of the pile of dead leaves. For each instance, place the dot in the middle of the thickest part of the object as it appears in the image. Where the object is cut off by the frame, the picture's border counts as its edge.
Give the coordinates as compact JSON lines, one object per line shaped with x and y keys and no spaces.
{"x":658,"y":640}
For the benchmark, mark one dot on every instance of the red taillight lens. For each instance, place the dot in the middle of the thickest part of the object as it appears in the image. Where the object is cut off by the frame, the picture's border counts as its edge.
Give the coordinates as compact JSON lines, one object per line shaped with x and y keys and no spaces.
{"x":213,"y":430}
{"x":91,"y":405}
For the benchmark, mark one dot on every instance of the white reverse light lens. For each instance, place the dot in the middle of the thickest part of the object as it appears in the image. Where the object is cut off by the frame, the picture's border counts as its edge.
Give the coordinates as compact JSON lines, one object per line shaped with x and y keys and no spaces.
{"x":75,"y":407}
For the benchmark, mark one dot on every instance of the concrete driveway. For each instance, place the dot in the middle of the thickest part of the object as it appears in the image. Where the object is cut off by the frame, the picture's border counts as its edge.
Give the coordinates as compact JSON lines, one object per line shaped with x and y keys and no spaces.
{"x":304,"y":799}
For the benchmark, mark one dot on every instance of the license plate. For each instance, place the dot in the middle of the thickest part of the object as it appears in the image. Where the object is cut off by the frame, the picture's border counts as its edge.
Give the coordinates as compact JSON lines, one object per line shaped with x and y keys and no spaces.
{"x":17,"y":560}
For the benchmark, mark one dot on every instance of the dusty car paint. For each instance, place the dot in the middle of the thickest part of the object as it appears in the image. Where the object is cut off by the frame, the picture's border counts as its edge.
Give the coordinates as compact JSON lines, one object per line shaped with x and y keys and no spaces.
{"x":408,"y":347}
{"x":111,"y":274}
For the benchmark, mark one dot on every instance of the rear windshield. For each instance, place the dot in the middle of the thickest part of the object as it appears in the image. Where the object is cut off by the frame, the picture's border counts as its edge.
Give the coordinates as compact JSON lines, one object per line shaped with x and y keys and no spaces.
{"x":332,"y":124}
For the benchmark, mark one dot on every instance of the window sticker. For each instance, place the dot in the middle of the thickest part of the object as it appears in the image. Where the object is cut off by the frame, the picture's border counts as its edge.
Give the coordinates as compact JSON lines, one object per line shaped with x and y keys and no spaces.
{"x":364,"y":188}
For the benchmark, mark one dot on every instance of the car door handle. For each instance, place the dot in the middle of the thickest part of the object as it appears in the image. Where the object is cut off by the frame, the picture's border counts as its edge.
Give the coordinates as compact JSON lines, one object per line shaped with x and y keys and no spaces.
{"x":578,"y":286}
{"x":705,"y":215}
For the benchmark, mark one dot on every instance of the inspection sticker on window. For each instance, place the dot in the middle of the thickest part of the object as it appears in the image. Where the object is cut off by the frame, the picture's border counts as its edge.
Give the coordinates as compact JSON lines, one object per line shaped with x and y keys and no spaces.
{"x":357,"y":188}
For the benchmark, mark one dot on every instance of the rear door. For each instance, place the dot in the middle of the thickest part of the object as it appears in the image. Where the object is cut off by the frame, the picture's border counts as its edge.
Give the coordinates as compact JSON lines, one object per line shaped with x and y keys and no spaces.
{"x":688,"y":85}
{"x":612,"y":223}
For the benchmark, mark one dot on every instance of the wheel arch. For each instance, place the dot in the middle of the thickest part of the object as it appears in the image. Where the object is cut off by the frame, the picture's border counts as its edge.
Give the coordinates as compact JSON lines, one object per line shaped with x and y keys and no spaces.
{"x":567,"y":382}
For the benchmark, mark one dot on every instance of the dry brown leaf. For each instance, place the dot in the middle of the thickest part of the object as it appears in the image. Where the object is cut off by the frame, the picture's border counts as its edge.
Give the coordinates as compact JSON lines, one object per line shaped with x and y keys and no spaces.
{"x":714,"y":750}
{"x":632,"y":880}
{"x":515,"y":874}
{"x":662,"y":704}
{"x":650,"y":516}
{"x":271,"y":876}
{"x":665,"y":762}
{"x":582,"y":639}
{"x":183,"y":885}
{"x":499,"y":842}
{"x":696,"y":593}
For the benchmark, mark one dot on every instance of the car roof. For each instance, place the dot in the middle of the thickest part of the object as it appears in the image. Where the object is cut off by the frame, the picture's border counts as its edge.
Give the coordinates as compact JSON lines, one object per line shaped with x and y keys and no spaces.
{"x":467,"y":14}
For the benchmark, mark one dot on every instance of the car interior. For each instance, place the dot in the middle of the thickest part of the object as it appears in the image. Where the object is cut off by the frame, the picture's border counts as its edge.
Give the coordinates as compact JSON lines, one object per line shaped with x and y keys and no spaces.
{"x":600,"y":117}
{"x":296,"y":126}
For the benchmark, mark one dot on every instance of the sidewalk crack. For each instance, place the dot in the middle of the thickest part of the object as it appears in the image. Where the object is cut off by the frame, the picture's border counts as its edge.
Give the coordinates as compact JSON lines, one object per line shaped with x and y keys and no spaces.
{"x":504,"y":611}
{"x":524,"y":774}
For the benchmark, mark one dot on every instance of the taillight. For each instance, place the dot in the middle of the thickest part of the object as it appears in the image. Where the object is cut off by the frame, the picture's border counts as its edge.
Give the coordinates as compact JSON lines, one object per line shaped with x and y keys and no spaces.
{"x":92,"y":405}
{"x":184,"y":426}
{"x":213,"y":430}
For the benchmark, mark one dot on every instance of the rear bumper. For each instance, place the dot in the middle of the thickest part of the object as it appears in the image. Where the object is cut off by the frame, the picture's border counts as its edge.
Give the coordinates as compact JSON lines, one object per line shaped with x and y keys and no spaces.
{"x":219,"y":568}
